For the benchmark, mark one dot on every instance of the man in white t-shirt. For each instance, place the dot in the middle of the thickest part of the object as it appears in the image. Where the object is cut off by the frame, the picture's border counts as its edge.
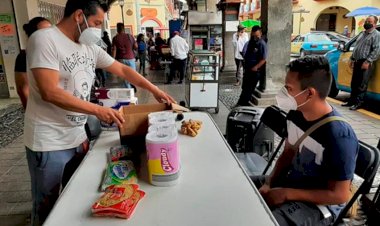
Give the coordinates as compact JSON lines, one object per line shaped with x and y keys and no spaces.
{"x":238,"y":41}
{"x":178,"y":49}
{"x":61,"y":64}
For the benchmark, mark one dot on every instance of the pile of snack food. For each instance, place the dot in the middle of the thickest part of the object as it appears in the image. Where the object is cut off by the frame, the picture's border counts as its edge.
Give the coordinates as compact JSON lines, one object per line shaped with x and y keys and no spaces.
{"x":191,"y":127}
{"x":121,"y":191}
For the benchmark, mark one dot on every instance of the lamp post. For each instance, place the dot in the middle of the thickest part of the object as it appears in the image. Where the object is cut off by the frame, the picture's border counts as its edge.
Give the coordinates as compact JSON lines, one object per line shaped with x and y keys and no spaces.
{"x":300,"y":11}
{"x":121,"y":3}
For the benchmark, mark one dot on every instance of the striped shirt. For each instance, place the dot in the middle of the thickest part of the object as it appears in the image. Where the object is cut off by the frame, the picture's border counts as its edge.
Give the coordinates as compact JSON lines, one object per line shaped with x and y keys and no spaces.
{"x":367,"y":46}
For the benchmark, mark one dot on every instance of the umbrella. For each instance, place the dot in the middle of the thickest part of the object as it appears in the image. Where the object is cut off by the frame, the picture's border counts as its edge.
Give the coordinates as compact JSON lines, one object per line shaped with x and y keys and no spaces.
{"x":364,"y":11}
{"x":250,"y":23}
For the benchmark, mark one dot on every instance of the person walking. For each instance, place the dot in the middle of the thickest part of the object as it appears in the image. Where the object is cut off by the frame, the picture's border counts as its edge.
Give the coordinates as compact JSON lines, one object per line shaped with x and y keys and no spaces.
{"x":179,"y":50}
{"x":255,"y":54}
{"x":366,"y":52}
{"x":123,"y":46}
{"x":141,"y":48}
{"x":238,"y":41}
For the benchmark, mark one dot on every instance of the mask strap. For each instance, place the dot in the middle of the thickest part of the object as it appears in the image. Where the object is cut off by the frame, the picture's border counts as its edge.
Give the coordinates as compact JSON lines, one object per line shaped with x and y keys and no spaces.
{"x":80,"y":32}
{"x":300,"y":93}
{"x":85,"y":20}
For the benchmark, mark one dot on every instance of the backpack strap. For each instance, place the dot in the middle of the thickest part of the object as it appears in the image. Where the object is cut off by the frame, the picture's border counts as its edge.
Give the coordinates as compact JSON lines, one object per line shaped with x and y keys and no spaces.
{"x":316,"y":126}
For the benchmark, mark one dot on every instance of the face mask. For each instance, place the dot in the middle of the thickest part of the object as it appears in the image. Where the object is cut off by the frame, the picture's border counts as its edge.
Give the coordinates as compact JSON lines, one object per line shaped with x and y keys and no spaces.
{"x":90,"y":36}
{"x":287,"y":102}
{"x":368,"y":26}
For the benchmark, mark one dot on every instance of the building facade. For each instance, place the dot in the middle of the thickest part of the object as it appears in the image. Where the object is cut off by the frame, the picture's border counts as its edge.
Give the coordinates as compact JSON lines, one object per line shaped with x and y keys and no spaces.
{"x":324,"y":15}
{"x":145,"y":16}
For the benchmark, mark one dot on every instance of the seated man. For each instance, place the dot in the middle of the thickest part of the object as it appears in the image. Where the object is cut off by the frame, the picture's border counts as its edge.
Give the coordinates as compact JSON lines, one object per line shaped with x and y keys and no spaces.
{"x":310,"y":184}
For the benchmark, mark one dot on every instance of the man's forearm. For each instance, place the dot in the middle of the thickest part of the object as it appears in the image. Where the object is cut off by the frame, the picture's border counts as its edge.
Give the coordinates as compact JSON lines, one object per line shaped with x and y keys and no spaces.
{"x":318,"y":197}
{"x":283,"y":162}
{"x":260,"y":64}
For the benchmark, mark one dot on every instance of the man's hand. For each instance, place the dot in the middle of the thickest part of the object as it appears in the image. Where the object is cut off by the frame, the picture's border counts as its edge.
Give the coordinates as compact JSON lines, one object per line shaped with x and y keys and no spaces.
{"x":161,"y":96}
{"x":255,"y":69}
{"x":275,"y":196}
{"x":365,"y":65}
{"x":109,"y":116}
{"x":351,"y":64}
{"x":264,"y":189}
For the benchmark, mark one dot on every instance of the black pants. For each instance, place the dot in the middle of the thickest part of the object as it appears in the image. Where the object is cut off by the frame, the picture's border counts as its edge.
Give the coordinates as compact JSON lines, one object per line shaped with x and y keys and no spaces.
{"x":177,"y":65}
{"x":250,"y":80}
{"x":359,"y":82}
{"x":239,"y":69}
{"x":295,"y":213}
{"x":142,"y":58}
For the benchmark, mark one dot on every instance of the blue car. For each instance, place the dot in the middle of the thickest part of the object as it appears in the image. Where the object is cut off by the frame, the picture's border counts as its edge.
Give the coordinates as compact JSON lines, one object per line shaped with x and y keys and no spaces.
{"x":312,"y":43}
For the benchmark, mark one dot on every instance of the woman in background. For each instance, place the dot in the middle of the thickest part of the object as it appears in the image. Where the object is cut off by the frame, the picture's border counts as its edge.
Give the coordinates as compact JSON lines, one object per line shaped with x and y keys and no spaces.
{"x":21,"y":79}
{"x":141,"y":48}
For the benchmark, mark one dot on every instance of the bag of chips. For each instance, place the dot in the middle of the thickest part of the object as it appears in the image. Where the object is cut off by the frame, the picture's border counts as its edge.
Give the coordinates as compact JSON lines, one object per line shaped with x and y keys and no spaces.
{"x":121,"y":153}
{"x":118,"y":201}
{"x":119,"y":173}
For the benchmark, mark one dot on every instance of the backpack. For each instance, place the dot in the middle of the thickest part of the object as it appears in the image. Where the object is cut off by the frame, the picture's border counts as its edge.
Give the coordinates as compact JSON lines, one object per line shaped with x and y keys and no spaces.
{"x":141,"y":46}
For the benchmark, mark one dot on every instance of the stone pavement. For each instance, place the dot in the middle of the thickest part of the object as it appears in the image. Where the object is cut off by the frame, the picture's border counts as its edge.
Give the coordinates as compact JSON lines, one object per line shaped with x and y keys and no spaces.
{"x":15,"y":198}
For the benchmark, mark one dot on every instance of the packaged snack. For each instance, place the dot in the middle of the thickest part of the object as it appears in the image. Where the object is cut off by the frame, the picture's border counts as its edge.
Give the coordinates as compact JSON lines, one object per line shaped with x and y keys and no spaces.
{"x":191,"y":127}
{"x":121,"y":153}
{"x":118,"y":201}
{"x":119,"y":173}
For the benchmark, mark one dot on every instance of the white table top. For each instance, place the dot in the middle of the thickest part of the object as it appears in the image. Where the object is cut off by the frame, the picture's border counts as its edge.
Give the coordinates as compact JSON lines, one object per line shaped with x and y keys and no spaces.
{"x":213,"y":189}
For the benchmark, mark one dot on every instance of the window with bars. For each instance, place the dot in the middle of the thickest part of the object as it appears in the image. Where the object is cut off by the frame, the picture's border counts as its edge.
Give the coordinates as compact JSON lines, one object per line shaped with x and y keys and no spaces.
{"x":51,"y":11}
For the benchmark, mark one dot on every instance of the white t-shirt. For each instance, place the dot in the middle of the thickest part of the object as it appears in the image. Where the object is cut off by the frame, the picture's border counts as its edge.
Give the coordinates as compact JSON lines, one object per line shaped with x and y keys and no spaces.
{"x":239,"y":44}
{"x":179,"y":47}
{"x":47,"y":126}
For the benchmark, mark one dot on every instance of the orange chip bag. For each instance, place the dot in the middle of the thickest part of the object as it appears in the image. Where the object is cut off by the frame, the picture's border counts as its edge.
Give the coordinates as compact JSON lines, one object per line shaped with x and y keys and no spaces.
{"x":118,"y":201}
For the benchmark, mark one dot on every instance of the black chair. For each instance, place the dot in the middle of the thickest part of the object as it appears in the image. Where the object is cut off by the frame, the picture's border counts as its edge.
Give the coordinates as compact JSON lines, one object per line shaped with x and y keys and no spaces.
{"x":275,"y":119}
{"x":367,"y":162}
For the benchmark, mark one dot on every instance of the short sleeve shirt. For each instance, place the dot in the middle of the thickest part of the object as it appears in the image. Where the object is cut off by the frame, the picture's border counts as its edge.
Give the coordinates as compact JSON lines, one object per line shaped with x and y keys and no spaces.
{"x":123,"y":43}
{"x":329,"y":153}
{"x":47,"y":126}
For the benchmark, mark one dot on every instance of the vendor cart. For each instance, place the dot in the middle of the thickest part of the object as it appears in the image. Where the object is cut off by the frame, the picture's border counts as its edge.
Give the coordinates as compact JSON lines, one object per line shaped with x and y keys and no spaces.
{"x":202,"y":85}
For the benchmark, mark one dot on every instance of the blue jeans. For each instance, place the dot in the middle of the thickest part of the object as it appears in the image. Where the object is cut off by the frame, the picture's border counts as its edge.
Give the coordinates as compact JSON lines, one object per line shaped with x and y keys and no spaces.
{"x":132,"y":64}
{"x":46,"y":171}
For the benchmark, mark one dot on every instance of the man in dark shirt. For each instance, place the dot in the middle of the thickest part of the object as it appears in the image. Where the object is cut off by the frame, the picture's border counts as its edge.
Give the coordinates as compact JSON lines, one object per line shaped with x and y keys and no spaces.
{"x":310,"y":182}
{"x":123,"y":45}
{"x":366,"y":52}
{"x":254,"y":54}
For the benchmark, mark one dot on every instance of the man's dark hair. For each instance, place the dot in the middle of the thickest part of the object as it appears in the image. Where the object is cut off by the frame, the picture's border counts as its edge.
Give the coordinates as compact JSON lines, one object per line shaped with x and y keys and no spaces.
{"x":375,"y":17}
{"x":89,"y":7}
{"x":256,"y":28}
{"x":119,"y":27}
{"x":32,"y":25}
{"x":313,"y":71}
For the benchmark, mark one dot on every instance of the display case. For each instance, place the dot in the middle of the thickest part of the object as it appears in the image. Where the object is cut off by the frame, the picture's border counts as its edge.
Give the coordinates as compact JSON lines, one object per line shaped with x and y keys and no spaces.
{"x":202,"y":83}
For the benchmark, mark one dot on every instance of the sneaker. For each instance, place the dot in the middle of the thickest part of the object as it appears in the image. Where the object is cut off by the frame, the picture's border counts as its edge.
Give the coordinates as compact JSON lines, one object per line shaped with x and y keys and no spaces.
{"x":237,"y":83}
{"x":347,"y":104}
{"x":180,"y":82}
{"x":168,"y":83}
{"x":355,"y":107}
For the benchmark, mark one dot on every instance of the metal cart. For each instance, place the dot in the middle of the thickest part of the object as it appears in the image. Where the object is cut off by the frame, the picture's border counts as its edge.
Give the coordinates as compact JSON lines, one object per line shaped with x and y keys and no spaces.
{"x":202,"y":83}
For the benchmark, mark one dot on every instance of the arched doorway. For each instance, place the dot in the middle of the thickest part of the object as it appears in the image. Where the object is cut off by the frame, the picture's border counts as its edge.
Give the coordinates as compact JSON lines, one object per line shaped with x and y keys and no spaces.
{"x":334,"y":19}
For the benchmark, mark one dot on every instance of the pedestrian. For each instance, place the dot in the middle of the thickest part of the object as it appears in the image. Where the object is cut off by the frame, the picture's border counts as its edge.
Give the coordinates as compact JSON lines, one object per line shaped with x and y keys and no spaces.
{"x":58,"y":105}
{"x":141,"y":52}
{"x":21,"y":78}
{"x":255,"y":55}
{"x":179,"y":50}
{"x":238,"y":41}
{"x":310,"y":182}
{"x":366,"y":52}
{"x":123,"y":46}
{"x":345,"y":31}
{"x":106,"y":39}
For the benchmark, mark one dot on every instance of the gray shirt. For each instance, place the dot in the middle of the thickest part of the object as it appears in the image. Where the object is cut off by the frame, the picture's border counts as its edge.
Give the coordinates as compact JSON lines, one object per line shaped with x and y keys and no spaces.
{"x":367,"y":46}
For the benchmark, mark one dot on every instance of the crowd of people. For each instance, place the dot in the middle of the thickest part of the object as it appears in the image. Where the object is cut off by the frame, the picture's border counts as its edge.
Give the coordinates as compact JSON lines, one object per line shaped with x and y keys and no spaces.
{"x":311,"y":180}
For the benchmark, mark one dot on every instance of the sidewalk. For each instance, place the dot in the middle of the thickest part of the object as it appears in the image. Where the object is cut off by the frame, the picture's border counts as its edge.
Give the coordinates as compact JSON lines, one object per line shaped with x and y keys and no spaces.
{"x":15,"y":198}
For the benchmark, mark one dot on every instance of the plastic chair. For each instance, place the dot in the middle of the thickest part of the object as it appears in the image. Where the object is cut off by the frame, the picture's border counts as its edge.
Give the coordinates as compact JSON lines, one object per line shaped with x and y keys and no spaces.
{"x":367,"y":162}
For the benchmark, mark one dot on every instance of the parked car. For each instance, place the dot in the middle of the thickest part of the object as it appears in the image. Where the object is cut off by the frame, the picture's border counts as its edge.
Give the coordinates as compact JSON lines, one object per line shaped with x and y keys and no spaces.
{"x":339,"y":60}
{"x":334,"y":36}
{"x":312,"y":43}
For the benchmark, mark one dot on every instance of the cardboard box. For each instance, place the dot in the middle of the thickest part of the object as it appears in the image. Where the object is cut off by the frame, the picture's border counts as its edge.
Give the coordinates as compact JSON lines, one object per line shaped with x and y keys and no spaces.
{"x":136,"y":117}
{"x":135,"y":127}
